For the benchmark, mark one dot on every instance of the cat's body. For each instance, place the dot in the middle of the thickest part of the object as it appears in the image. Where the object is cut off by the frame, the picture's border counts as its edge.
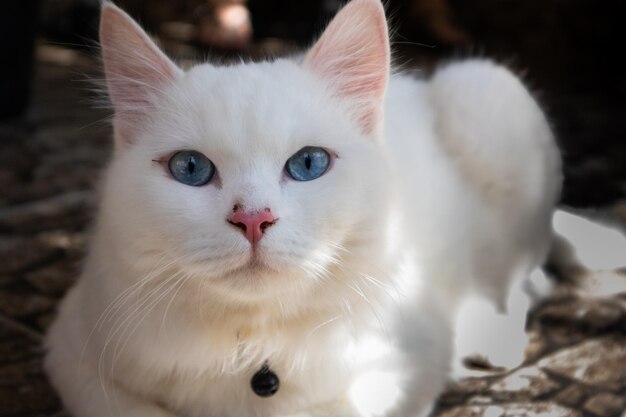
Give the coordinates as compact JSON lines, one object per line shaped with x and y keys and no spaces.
{"x":350,"y":295}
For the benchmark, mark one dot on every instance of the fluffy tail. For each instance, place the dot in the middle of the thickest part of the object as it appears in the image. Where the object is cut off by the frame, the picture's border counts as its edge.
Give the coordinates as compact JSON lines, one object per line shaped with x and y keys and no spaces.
{"x":504,"y":151}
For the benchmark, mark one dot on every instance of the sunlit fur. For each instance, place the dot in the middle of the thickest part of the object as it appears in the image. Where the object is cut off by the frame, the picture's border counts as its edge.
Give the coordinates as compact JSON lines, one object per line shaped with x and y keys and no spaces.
{"x":437,"y":188}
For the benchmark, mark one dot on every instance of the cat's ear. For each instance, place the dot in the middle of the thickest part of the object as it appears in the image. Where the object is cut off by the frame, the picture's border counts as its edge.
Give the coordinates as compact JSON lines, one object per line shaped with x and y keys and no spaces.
{"x":353,"y":56}
{"x":136,"y":70}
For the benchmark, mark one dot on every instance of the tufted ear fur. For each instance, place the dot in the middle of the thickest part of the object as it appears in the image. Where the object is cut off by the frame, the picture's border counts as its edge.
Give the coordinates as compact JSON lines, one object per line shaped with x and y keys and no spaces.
{"x":136,"y":70}
{"x":352,"y":56}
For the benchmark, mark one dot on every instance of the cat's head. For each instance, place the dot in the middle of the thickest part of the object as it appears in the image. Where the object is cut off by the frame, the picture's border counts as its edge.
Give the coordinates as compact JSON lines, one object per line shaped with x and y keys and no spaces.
{"x":254,"y":179}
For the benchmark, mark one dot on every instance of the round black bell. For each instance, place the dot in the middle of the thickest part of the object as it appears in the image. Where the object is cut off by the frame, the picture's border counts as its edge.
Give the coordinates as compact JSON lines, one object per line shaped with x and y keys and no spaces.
{"x":265,"y":383}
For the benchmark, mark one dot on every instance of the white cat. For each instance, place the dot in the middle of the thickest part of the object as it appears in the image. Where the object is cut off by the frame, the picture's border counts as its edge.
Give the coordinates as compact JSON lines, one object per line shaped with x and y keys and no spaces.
{"x":319,"y":220}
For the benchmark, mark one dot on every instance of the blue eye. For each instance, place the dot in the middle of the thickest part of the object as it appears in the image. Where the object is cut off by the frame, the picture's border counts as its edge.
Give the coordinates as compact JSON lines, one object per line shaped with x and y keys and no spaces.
{"x":308,"y":164}
{"x":191,"y":168}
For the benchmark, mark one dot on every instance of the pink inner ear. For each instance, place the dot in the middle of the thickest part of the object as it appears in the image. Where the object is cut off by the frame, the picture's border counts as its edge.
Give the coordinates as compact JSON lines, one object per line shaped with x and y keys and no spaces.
{"x":353,"y":57}
{"x":136,"y":70}
{"x":133,"y":78}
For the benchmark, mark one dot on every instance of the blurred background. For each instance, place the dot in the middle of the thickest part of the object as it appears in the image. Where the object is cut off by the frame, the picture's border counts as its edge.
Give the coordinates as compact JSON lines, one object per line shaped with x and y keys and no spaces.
{"x":569,"y":52}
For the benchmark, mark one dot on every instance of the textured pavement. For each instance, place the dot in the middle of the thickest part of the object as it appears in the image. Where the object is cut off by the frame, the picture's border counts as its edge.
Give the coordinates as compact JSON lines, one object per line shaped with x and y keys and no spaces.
{"x":49,"y":166}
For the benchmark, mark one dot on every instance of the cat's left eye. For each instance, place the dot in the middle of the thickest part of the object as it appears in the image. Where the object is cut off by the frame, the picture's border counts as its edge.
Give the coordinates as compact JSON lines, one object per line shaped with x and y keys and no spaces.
{"x":308,"y":163}
{"x":191,"y":168}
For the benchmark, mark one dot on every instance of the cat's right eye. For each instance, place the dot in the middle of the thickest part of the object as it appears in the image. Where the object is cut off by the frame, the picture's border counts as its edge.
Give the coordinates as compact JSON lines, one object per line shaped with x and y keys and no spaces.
{"x":191,"y":168}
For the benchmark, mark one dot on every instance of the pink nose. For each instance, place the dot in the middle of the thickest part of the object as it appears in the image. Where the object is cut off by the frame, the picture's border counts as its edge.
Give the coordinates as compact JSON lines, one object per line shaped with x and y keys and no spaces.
{"x":252,"y":224}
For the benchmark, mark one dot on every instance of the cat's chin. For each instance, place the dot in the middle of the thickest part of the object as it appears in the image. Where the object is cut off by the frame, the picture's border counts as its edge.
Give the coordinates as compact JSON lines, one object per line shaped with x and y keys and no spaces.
{"x":251,"y":276}
{"x":258,"y":277}
{"x":256,"y":267}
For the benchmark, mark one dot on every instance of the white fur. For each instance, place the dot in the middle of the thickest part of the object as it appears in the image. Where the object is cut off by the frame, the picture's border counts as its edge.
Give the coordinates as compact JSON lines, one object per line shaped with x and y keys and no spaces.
{"x":363,"y":271}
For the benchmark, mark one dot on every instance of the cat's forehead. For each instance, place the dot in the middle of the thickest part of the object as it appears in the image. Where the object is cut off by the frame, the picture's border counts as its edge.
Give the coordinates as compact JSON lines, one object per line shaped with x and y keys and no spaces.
{"x":252,"y":104}
{"x":262,"y":111}
{"x":266,"y":90}
{"x":265,"y":75}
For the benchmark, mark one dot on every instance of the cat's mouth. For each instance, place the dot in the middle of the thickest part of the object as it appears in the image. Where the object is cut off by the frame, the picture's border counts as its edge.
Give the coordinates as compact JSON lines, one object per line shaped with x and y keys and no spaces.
{"x":247,"y":263}
{"x":255,"y":265}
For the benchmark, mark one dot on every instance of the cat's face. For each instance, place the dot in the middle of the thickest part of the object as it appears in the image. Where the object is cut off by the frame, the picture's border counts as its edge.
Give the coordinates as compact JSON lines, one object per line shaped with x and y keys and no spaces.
{"x":258,"y":178}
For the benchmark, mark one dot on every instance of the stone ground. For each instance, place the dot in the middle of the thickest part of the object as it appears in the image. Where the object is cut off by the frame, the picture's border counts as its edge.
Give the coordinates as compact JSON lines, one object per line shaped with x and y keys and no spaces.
{"x":576,"y":364}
